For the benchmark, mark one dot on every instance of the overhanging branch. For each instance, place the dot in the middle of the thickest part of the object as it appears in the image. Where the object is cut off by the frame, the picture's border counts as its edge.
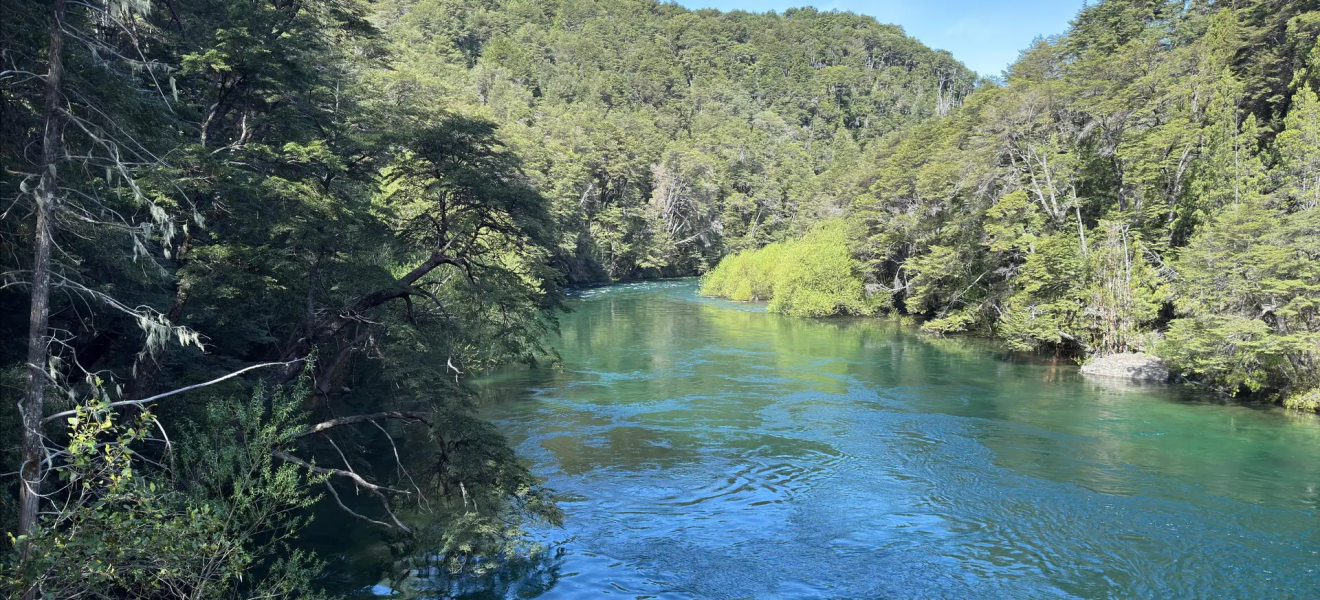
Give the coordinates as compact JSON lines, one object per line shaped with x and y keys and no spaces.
{"x":70,"y":413}
{"x":332,"y":423}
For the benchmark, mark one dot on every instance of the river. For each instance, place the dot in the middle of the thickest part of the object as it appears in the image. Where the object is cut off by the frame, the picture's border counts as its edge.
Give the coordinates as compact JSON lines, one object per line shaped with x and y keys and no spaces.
{"x":707,"y":449}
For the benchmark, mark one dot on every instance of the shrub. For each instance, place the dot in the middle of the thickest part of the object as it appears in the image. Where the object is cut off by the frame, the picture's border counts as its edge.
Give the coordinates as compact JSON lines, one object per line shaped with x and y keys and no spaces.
{"x":1309,"y":400}
{"x":814,"y":276}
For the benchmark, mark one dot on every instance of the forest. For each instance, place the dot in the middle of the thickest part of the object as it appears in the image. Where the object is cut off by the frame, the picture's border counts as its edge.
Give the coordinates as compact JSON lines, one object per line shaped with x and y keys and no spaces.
{"x":1148,"y":181}
{"x":254,"y":251}
{"x":664,"y":138}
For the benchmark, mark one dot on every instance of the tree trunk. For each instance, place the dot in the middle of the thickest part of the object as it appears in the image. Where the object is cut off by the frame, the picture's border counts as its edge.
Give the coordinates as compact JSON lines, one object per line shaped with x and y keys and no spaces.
{"x":332,"y":325}
{"x":38,"y":320}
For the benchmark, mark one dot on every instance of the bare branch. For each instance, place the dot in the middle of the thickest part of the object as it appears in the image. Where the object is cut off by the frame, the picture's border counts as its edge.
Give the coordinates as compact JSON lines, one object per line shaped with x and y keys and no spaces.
{"x":286,"y":457}
{"x":379,"y":491}
{"x":69,"y":413}
{"x":332,"y":423}
{"x":421,"y":498}
{"x":350,"y":511}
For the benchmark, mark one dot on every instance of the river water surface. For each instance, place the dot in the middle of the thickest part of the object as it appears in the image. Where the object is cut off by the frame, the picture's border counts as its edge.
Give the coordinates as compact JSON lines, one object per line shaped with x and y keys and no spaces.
{"x":705,"y":449}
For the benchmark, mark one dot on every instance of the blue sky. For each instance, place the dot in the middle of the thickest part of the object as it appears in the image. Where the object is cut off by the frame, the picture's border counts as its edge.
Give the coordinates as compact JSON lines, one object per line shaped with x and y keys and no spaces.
{"x":984,"y":35}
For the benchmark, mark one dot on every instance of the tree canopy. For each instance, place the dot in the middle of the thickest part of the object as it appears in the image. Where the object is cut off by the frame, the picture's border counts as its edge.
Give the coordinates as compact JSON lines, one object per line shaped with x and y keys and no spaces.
{"x":1144,"y":182}
{"x":664,"y":137}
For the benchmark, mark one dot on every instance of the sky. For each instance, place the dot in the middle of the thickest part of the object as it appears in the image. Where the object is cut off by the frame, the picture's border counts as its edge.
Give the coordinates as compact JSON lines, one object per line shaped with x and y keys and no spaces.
{"x":986,"y":35}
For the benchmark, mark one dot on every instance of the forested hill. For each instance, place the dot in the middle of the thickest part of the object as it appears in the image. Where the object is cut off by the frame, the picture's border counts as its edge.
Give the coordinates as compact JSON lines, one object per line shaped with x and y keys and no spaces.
{"x":664,"y":137}
{"x":319,"y":219}
{"x":1149,"y":181}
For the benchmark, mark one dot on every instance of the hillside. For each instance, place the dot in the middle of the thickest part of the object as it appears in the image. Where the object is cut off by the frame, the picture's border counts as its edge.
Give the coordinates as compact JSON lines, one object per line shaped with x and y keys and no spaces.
{"x":664,"y":137}
{"x":1149,"y":181}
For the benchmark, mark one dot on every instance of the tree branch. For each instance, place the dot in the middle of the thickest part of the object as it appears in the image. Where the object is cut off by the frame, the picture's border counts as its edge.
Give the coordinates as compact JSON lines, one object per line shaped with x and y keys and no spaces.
{"x":286,"y":457}
{"x":379,"y":491}
{"x":331,"y":424}
{"x":69,"y":413}
{"x":350,"y":511}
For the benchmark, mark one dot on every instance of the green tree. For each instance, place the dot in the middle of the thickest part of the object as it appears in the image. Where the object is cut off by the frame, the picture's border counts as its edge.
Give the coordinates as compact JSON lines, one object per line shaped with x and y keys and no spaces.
{"x":1248,"y":286}
{"x":814,"y":276}
{"x":213,"y":517}
{"x":1299,"y":152}
{"x":1090,"y":202}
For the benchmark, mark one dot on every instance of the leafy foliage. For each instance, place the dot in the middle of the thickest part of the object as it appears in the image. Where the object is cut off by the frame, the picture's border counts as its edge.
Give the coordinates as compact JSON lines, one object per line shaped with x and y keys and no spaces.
{"x":1250,"y":293}
{"x":1149,"y":173}
{"x":233,"y":176}
{"x":218,"y":512}
{"x":663,"y":137}
{"x":814,"y":276}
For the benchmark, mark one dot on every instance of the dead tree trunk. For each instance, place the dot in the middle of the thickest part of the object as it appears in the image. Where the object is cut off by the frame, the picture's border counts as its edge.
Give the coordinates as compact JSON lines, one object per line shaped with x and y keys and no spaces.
{"x":39,"y":318}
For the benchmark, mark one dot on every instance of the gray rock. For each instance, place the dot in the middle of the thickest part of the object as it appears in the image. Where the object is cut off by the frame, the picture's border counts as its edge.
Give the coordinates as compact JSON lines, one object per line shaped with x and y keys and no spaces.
{"x":1135,"y":366}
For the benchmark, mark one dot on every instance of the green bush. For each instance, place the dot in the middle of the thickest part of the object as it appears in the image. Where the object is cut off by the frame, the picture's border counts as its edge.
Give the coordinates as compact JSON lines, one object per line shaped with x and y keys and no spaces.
{"x":216,"y":517}
{"x":747,"y":276}
{"x":1309,"y":401}
{"x":814,"y":276}
{"x":1248,"y":292}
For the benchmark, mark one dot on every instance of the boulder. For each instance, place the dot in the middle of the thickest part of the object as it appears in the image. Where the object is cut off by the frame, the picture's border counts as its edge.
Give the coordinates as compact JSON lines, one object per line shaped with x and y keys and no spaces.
{"x":1135,"y":366}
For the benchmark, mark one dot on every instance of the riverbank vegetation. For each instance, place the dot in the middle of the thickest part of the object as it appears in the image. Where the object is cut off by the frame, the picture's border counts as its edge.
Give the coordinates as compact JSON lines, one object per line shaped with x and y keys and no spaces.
{"x":811,"y":276}
{"x":219,"y":197}
{"x":1148,"y":181}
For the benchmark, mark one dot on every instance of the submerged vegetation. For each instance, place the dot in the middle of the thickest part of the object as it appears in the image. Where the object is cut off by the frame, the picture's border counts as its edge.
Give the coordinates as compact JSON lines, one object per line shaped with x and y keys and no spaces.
{"x":1148,"y":181}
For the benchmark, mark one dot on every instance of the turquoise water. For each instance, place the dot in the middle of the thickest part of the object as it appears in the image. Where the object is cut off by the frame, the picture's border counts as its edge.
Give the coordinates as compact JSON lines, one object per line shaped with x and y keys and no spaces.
{"x":706,"y":449}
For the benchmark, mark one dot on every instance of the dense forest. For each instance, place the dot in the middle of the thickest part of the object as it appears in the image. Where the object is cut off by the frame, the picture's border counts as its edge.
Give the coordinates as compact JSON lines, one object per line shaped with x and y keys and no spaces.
{"x":1148,"y":181}
{"x":662,"y":138}
{"x":215,"y":191}
{"x":253,"y":251}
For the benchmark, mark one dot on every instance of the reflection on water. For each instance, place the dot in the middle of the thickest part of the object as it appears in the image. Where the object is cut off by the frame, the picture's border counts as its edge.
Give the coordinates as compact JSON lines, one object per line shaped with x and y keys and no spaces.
{"x":527,"y":576}
{"x":704,"y":449}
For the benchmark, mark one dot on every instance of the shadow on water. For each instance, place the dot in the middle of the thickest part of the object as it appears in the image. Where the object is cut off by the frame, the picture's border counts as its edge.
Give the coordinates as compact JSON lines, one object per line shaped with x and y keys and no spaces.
{"x":526,"y":576}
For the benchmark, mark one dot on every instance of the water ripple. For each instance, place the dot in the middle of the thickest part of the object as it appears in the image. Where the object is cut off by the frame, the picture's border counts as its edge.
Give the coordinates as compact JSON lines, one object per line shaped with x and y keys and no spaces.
{"x":704,"y":450}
